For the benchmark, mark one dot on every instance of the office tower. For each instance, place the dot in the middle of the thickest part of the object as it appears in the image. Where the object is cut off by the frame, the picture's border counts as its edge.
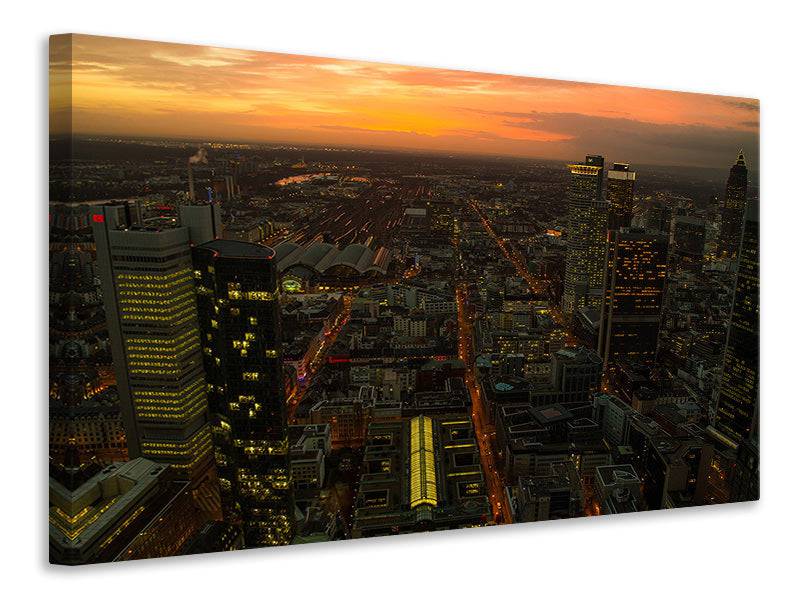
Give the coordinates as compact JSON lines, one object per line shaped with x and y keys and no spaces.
{"x":619,"y":194}
{"x":574,"y":374}
{"x":631,"y":311}
{"x":237,"y":295}
{"x":440,"y":215}
{"x":737,"y":402}
{"x":732,"y":210}
{"x":658,"y":217}
{"x":689,"y":237}
{"x":586,"y":245}
{"x":149,"y":298}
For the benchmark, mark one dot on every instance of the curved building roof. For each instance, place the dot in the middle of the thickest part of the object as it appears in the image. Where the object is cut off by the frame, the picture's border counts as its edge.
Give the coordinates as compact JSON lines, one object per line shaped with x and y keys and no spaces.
{"x":285,"y":249}
{"x":320,"y":257}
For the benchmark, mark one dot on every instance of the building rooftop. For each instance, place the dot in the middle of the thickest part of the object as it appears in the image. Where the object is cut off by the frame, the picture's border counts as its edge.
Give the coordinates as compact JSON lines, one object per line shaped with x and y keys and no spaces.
{"x":420,"y":473}
{"x":238,"y":249}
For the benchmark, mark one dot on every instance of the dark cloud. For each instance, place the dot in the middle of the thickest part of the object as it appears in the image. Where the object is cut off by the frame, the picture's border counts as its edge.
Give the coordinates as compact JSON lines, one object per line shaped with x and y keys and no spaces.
{"x":751,"y":105}
{"x":638,"y":141}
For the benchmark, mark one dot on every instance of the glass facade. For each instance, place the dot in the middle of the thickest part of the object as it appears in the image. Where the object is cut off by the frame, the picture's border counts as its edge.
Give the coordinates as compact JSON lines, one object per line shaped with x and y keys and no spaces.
{"x":238,"y":302}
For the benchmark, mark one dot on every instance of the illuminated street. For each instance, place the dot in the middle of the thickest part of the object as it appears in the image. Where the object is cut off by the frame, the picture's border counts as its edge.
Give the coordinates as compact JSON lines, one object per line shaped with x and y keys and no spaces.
{"x":483,"y":431}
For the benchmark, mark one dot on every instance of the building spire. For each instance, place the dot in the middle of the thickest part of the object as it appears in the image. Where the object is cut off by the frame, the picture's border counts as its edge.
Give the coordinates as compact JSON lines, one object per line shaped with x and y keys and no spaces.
{"x":740,"y":160}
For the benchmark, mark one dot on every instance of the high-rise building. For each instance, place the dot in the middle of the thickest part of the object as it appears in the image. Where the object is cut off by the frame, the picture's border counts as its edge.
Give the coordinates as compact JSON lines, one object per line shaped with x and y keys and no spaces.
{"x":619,"y":194}
{"x":732,"y":210}
{"x":689,"y":237}
{"x":631,"y":312}
{"x":658,"y":217}
{"x":736,"y":412}
{"x":237,"y":295}
{"x":149,"y":298}
{"x":586,"y":244}
{"x":440,"y":215}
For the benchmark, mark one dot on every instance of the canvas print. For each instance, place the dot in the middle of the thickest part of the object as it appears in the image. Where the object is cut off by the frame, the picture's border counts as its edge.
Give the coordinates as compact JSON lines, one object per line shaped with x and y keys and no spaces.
{"x":297,"y":299}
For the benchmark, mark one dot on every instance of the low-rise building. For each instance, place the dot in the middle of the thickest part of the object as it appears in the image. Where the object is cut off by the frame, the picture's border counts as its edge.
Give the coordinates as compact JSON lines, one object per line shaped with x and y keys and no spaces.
{"x":420,"y":474}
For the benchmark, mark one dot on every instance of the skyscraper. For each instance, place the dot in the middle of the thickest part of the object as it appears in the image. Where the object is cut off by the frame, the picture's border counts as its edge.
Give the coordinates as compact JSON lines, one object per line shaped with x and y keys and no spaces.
{"x":237,"y":287}
{"x":619,"y":194}
{"x":658,"y":217}
{"x":689,"y":237}
{"x":586,"y":244}
{"x":631,"y":312}
{"x":732,"y":210}
{"x":736,"y":412}
{"x":149,"y":298}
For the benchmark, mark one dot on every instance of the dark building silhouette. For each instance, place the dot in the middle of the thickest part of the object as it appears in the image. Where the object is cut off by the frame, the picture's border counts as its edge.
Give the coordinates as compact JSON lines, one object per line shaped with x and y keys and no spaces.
{"x":737,"y":403}
{"x":619,"y":194}
{"x":634,"y":288}
{"x":732,"y":210}
{"x":586,"y":244}
{"x":689,"y":237}
{"x":745,"y":477}
{"x":658,"y":217}
{"x":237,"y":291}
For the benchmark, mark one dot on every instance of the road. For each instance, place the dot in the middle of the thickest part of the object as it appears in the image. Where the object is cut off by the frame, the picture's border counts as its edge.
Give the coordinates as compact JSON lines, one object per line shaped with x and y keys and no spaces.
{"x":536,"y":286}
{"x":483,"y":430}
{"x":329,"y":338}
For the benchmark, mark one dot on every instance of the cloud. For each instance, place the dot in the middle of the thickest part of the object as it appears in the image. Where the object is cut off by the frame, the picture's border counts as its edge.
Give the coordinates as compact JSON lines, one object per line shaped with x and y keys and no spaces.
{"x":201,"y":92}
{"x":633,"y":140}
{"x":746,"y":104}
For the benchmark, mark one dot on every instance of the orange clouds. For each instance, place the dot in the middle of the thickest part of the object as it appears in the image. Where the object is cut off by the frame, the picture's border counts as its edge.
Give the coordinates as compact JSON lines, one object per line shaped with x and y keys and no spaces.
{"x":138,"y":88}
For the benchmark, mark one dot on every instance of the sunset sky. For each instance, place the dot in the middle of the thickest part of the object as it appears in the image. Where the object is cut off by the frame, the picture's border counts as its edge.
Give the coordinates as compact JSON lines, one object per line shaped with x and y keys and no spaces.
{"x":139,"y":88}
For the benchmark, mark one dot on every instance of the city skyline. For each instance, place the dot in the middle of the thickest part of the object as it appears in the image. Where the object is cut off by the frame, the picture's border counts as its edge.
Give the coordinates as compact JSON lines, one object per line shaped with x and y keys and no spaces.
{"x":120,"y":87}
{"x":261,"y":345}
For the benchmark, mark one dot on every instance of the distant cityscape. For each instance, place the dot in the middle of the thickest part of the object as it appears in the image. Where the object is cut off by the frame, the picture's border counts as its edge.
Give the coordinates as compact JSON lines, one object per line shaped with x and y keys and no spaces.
{"x":263,"y":344}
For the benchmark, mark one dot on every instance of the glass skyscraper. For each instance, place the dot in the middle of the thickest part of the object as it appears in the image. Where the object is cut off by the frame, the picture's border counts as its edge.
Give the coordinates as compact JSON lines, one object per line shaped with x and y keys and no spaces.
{"x":732,"y":210}
{"x":237,"y":291}
{"x":631,"y":313}
{"x":737,"y":405}
{"x":619,"y":193}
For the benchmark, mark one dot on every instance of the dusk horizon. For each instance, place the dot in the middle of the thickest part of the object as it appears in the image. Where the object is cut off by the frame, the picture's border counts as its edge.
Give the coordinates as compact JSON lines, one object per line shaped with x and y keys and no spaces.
{"x":178,"y":90}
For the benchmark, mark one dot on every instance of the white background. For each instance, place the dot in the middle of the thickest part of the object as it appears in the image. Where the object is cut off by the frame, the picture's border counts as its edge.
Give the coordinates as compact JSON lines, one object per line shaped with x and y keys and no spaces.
{"x":736,"y":48}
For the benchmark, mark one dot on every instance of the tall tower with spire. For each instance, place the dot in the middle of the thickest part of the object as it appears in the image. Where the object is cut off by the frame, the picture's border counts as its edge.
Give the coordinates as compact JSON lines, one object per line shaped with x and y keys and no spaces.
{"x":732,"y":212}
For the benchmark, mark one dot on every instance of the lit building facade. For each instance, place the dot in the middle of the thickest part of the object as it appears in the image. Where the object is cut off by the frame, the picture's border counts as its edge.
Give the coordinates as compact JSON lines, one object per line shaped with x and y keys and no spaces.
{"x":237,"y":291}
{"x":631,"y":313}
{"x":420,"y":474}
{"x":619,"y":194}
{"x":149,"y":297}
{"x":586,"y":244}
{"x":732,"y":210}
{"x":737,"y":403}
{"x":131,"y":510}
{"x":440,"y":215}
